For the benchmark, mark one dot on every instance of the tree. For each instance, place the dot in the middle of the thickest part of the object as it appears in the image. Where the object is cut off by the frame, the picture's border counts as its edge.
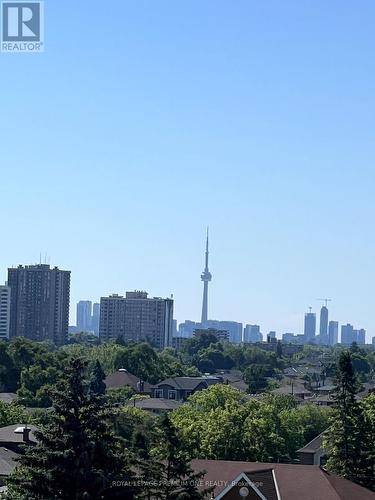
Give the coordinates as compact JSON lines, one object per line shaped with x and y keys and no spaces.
{"x":13,"y":413}
{"x":97,"y":384}
{"x":174,"y":479}
{"x":279,"y":349}
{"x":346,"y":442}
{"x":368,"y":411}
{"x":255,"y":377}
{"x":77,"y":455}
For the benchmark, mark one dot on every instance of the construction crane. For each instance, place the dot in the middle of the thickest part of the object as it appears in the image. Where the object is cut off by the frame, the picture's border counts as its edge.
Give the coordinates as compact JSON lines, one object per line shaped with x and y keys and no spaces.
{"x":326,"y":301}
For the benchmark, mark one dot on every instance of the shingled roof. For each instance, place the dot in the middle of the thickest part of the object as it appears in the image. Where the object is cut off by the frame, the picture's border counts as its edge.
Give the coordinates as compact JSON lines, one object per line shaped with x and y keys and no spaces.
{"x":123,"y":378}
{"x":189,"y":383}
{"x":291,"y":481}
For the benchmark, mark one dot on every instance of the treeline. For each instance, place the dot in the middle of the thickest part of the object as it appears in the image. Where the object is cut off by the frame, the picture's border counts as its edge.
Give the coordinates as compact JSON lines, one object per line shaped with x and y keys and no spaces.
{"x":209,"y":355}
{"x":30,"y":368}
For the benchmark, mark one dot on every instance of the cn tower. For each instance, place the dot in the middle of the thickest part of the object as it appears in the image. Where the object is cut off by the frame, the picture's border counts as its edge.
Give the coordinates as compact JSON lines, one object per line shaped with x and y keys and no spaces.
{"x":206,"y":277}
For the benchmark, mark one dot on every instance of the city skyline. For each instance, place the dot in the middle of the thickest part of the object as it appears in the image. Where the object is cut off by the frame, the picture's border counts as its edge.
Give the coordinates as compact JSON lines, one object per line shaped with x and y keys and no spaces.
{"x":313,"y":331}
{"x":257,"y":120}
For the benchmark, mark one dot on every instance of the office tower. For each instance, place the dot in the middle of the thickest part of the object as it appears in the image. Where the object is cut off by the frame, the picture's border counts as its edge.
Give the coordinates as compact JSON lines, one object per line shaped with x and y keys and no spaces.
{"x":235,"y":329}
{"x":361,"y":336}
{"x":323,"y":330}
{"x":138,"y":318}
{"x":289,"y":338}
{"x":348,"y":334}
{"x":310,"y":326}
{"x":187,"y":328}
{"x":252,"y":334}
{"x":84,"y":321}
{"x":39,"y":303}
{"x":206,"y":277}
{"x":174,"y":328}
{"x":95,"y":319}
{"x":4,"y":311}
{"x":373,"y":341}
{"x":333,"y":332}
{"x":271,"y":337}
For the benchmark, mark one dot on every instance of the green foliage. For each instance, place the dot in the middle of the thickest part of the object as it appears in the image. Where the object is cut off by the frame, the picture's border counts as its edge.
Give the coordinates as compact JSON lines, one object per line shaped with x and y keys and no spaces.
{"x":13,"y":413}
{"x":222,"y":423}
{"x":349,"y":442}
{"x":120,"y":395}
{"x":84,"y":338}
{"x":256,"y":377}
{"x":35,"y":382}
{"x":97,"y":384}
{"x":77,"y":455}
{"x":173,"y":476}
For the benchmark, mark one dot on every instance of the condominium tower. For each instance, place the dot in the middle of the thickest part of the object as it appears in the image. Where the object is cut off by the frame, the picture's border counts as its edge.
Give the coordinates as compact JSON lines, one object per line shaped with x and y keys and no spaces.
{"x":138,"y":318}
{"x":39,"y":303}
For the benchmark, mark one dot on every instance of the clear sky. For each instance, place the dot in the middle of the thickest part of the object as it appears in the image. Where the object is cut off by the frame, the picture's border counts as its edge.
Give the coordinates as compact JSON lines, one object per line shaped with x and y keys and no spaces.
{"x":144,"y":121}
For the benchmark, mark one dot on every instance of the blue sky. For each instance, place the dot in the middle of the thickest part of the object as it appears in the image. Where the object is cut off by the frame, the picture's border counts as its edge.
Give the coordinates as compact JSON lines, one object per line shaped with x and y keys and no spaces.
{"x":144,"y":121}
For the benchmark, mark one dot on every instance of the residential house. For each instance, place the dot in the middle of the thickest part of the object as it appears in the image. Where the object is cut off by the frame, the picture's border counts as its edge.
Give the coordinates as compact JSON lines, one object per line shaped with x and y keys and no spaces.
{"x":13,"y":439}
{"x":123,"y":378}
{"x":313,"y":453}
{"x":271,"y":481}
{"x":180,"y":388}
{"x":298,"y":391}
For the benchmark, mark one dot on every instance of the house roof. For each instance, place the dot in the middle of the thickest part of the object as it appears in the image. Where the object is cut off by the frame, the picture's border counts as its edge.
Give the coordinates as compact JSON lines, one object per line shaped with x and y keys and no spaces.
{"x":13,"y":433}
{"x":189,"y":383}
{"x":7,"y":461}
{"x":294,"y":482}
{"x":324,"y":388}
{"x":7,"y":397}
{"x":287,"y":389}
{"x":157,"y":404}
{"x":313,"y":446}
{"x":123,"y":378}
{"x":234,"y":378}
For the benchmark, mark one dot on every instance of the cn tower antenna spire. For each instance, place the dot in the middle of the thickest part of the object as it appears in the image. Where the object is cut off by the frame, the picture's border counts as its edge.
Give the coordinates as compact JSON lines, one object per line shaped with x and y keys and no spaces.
{"x":206,"y":277}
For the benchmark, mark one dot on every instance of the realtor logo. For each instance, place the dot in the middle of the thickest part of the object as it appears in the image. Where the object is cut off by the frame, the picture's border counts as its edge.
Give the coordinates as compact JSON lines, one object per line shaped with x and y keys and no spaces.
{"x":22,"y":27}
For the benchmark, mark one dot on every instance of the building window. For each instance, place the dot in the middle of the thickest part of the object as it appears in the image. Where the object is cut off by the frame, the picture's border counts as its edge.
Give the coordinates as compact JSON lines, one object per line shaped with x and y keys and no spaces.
{"x":172,"y":394}
{"x":158,"y":393}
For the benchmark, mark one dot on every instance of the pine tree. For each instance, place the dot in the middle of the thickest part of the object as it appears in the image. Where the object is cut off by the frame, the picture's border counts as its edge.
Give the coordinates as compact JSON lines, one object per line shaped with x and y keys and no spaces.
{"x":77,"y":455}
{"x":97,"y":384}
{"x":346,"y":442}
{"x":173,"y":476}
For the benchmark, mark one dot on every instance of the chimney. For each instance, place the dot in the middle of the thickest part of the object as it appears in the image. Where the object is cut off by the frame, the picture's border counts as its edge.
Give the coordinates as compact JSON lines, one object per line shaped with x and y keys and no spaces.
{"x":25,"y":434}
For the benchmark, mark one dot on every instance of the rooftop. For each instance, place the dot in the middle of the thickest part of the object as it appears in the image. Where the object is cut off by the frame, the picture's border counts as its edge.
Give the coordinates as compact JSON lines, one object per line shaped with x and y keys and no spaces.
{"x":292,"y":481}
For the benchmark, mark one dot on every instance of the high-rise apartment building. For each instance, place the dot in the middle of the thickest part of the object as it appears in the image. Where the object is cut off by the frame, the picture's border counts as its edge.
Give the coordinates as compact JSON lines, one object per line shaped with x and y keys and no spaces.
{"x":323,"y":327}
{"x":187,"y":328}
{"x":136,"y":317}
{"x":361,"y":336}
{"x":310,"y":326}
{"x":95,"y":318}
{"x":84,"y":320}
{"x":348,"y":334}
{"x":333,"y":332}
{"x":39,"y":303}
{"x":252,"y":334}
{"x":235,"y":329}
{"x":4,"y":311}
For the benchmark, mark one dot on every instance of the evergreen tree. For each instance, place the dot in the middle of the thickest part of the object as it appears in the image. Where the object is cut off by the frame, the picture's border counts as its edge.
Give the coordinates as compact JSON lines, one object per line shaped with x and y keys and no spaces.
{"x":346,"y":442}
{"x":97,"y":384}
{"x":173,"y":477}
{"x":77,"y":455}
